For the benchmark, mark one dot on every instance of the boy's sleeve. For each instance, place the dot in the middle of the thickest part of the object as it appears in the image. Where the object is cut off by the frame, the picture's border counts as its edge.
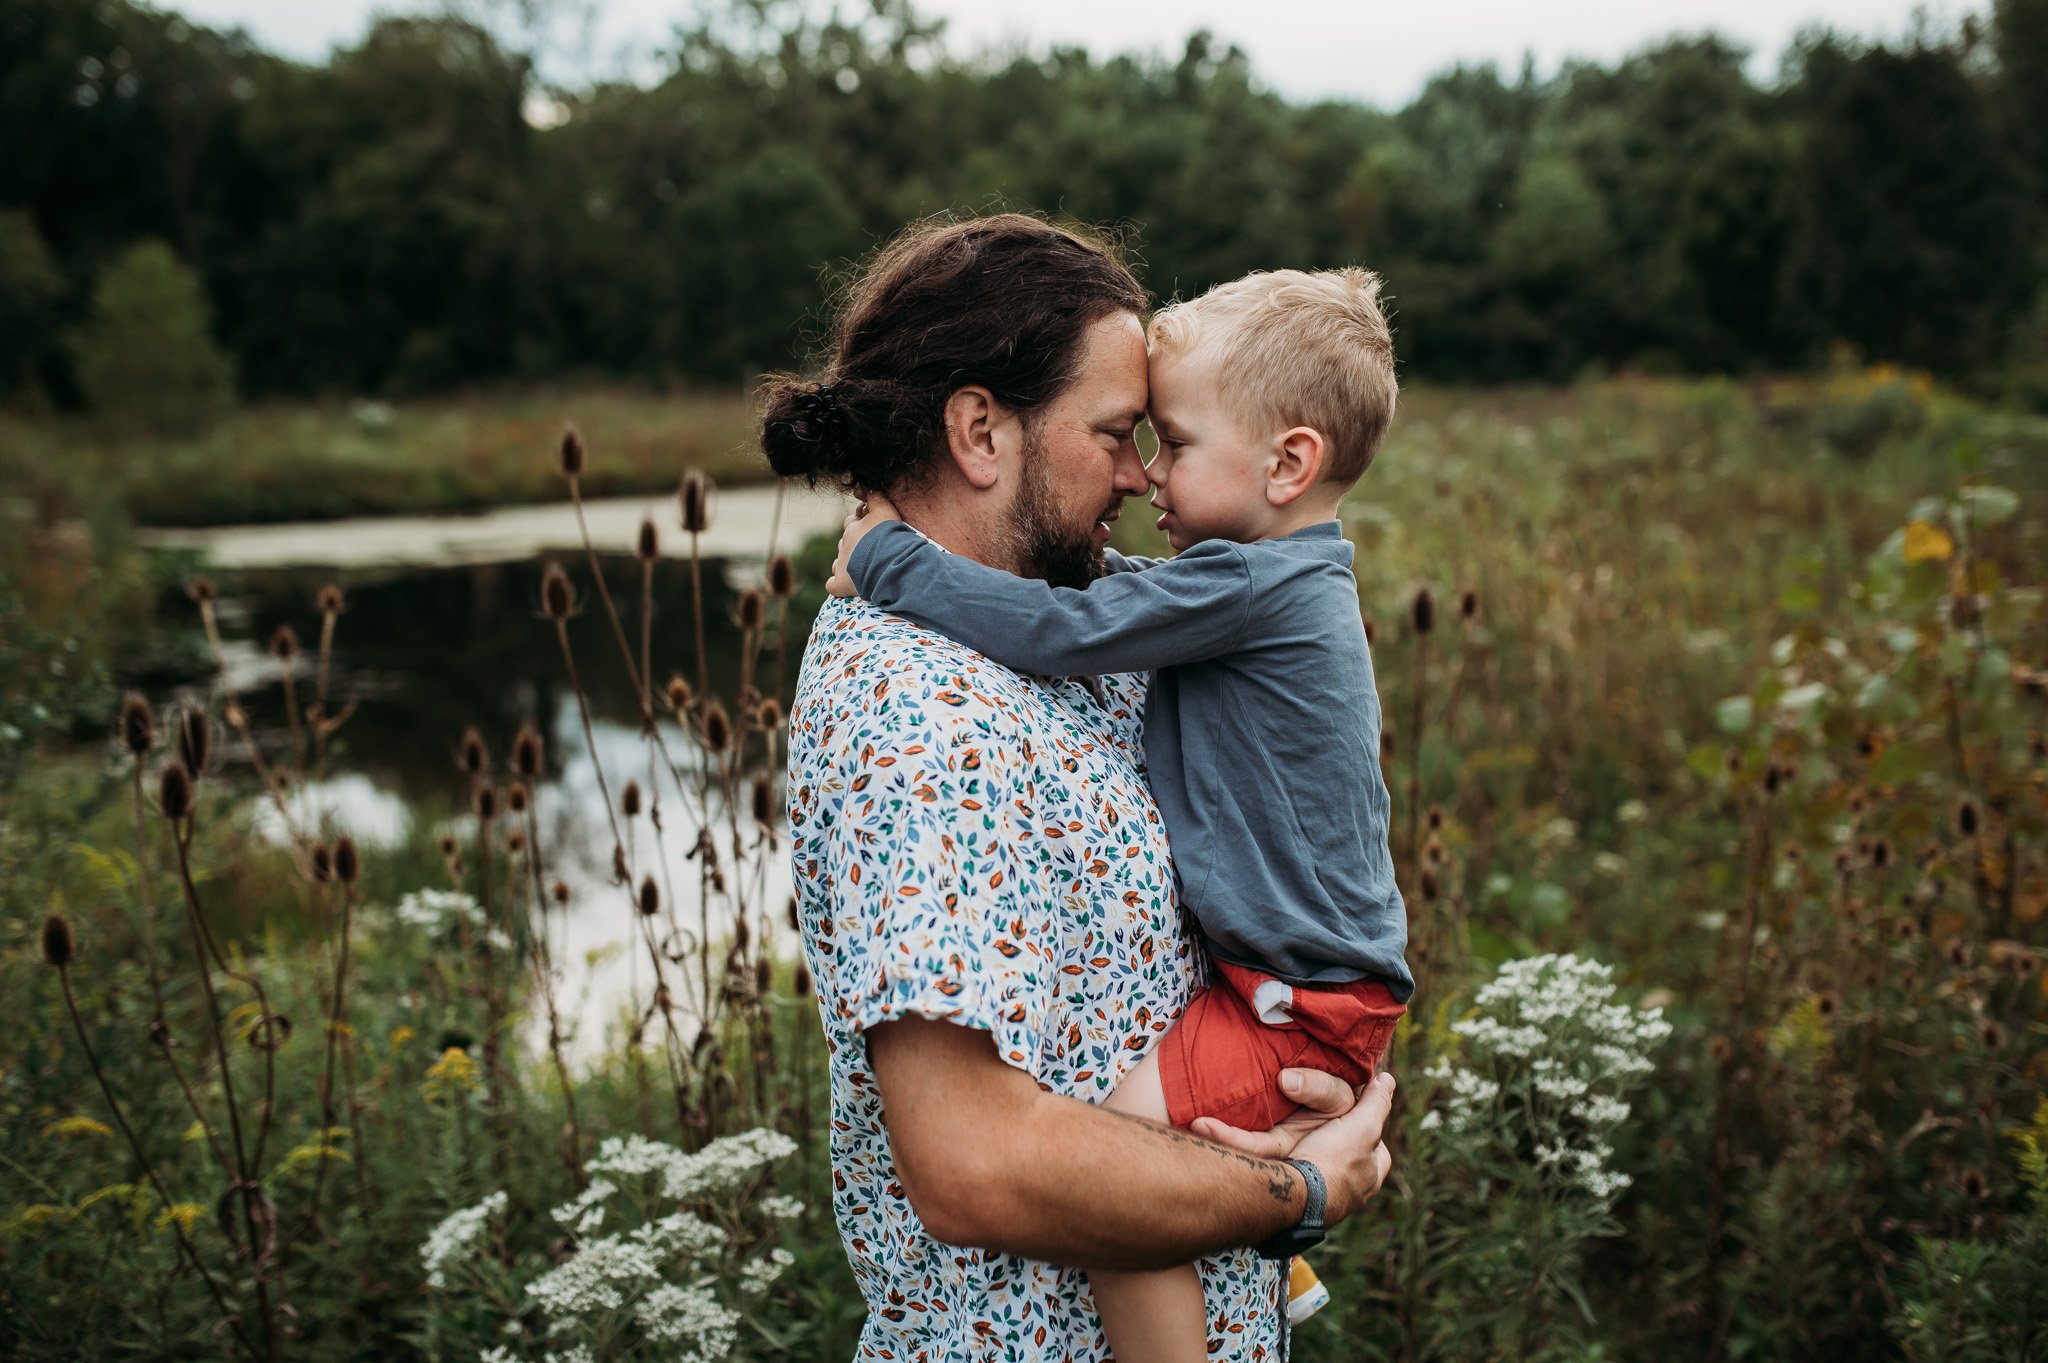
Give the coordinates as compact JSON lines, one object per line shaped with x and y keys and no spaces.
{"x":1179,"y":610}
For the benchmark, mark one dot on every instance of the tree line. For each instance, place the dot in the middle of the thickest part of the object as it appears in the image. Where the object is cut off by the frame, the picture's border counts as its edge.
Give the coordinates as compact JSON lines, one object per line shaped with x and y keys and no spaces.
{"x":421,"y":212}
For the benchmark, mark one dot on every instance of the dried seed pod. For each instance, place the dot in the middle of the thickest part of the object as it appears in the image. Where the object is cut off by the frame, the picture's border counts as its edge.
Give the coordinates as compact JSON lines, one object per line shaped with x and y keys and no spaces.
{"x":1424,"y":611}
{"x":320,"y":862}
{"x":195,"y":739}
{"x":485,"y":801}
{"x":1386,"y":745}
{"x":1468,"y":603}
{"x":764,"y":976}
{"x":1880,"y":854}
{"x":649,"y":546}
{"x":447,"y":844}
{"x":137,"y":724}
{"x":515,"y":841}
{"x":1435,"y":818}
{"x":560,"y":894}
{"x":781,"y":577}
{"x":650,"y":897}
{"x":1430,"y":888}
{"x":678,"y":694}
{"x":696,"y":502}
{"x":1966,"y":818}
{"x":471,"y":755}
{"x":1826,"y":1003}
{"x":752,"y":609}
{"x":768,"y":716}
{"x":629,"y":800}
{"x":557,"y":593}
{"x":330,"y":601}
{"x":764,"y":801}
{"x":348,"y":863}
{"x":59,"y":947}
{"x":527,"y":753}
{"x":716,"y":727}
{"x":802,"y":982}
{"x":174,"y":791}
{"x":570,"y":452}
{"x":284,"y":643}
{"x":516,"y":797}
{"x":201,"y":590}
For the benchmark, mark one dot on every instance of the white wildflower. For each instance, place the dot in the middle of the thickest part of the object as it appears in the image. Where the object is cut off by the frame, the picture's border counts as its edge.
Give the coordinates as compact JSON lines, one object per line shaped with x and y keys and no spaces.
{"x":495,"y":1354}
{"x":456,"y":1236}
{"x":688,"y":1315}
{"x":756,"y":1275}
{"x":1609,"y":864}
{"x":437,"y":909}
{"x":1632,"y":811}
{"x":584,"y":1213}
{"x":779,"y":1208}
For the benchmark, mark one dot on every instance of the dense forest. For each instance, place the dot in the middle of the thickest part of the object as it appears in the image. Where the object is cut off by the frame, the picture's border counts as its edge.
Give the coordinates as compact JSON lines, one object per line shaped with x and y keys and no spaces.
{"x":421,"y":213}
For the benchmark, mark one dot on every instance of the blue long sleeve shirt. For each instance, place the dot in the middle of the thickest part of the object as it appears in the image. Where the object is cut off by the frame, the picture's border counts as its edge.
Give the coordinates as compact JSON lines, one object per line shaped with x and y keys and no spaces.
{"x":1262,"y":724}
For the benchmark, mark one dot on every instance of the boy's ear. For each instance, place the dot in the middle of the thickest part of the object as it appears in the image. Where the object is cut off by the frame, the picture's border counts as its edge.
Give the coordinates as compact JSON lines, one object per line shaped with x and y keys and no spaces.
{"x":979,"y":432}
{"x":1296,"y":466}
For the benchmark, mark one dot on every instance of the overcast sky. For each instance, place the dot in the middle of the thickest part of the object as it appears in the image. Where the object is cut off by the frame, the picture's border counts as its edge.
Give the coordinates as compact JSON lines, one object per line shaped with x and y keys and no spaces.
{"x":1368,"y":50}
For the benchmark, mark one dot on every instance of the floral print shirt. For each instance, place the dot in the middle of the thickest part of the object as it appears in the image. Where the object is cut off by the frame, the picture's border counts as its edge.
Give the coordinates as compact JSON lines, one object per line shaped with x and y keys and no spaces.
{"x":979,"y":847}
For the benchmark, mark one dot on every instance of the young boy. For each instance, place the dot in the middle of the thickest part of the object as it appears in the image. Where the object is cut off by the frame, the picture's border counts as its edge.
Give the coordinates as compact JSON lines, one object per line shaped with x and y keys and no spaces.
{"x":1270,"y":396}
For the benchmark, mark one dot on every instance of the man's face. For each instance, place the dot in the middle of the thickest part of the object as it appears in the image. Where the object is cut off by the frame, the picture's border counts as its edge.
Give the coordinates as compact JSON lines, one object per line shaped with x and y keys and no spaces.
{"x":1080,"y":459}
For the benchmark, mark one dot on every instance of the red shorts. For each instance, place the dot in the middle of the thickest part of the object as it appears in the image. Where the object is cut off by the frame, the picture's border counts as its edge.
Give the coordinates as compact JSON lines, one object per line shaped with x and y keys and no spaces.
{"x":1220,"y":1060}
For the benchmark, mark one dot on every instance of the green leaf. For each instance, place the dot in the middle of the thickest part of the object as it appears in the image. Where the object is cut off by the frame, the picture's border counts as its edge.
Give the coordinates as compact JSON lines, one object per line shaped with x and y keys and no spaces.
{"x":1901,"y":763}
{"x":115,"y":869}
{"x":1988,"y":505}
{"x":1735,"y":714}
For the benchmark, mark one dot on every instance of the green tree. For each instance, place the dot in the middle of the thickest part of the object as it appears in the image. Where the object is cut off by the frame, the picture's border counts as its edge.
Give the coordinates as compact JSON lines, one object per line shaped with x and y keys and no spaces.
{"x":147,"y":353}
{"x":30,"y":285}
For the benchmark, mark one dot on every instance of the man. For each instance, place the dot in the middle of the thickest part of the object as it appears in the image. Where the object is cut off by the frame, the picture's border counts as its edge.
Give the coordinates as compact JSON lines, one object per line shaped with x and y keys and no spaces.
{"x":986,"y":898}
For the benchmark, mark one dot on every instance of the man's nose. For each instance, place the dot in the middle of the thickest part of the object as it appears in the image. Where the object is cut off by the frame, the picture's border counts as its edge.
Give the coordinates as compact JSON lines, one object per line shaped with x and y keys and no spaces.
{"x":1131,"y":478}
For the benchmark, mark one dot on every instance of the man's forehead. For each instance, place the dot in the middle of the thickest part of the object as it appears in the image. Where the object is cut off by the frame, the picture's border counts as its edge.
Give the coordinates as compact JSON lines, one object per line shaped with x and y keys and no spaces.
{"x":1113,"y":368}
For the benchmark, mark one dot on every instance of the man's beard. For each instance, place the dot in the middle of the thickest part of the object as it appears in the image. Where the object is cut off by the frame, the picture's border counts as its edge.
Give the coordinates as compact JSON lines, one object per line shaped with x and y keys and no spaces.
{"x":1043,"y":546}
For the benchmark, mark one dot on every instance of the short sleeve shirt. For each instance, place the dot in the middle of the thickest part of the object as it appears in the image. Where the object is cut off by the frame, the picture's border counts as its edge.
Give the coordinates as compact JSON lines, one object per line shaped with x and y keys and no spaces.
{"x":979,"y":847}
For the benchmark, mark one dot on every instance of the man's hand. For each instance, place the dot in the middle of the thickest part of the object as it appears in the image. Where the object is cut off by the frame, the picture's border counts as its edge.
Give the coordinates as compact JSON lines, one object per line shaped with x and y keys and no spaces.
{"x":865,"y":517}
{"x":1336,"y":1130}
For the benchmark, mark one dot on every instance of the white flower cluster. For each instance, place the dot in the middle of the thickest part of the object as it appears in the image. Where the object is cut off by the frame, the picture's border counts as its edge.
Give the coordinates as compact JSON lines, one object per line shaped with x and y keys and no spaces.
{"x":604,"y":1274}
{"x":723,"y":1166}
{"x":437,"y":910}
{"x":757,"y":1275}
{"x":1545,"y":1060}
{"x":688,"y":1315}
{"x":456,"y":1236}
{"x":780,"y":1208}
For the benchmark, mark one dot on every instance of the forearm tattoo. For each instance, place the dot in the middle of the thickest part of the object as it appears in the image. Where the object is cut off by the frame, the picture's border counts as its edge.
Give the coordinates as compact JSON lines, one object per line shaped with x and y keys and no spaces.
{"x":1279,"y":1178}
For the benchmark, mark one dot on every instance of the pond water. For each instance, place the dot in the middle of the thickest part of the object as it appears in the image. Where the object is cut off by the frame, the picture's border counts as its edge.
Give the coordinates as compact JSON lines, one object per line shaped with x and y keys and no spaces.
{"x":425,"y":651}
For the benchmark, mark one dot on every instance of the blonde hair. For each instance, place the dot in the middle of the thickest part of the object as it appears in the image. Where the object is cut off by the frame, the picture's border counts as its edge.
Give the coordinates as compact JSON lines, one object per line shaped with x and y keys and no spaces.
{"x":1295,"y":348}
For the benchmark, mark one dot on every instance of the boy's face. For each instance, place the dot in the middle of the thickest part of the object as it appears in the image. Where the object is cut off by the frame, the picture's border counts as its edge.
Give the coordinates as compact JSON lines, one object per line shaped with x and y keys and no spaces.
{"x":1209,"y":477}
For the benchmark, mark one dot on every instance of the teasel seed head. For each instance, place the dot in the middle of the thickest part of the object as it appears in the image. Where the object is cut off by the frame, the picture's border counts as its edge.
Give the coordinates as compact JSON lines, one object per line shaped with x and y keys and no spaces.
{"x":620,"y":874}
{"x":1966,"y":817}
{"x":560,"y":893}
{"x":201,"y":590}
{"x":1974,"y":1185}
{"x":195,"y":739}
{"x":471,"y":756}
{"x":484,"y":800}
{"x":1433,"y":853}
{"x":764,"y":977}
{"x":570,"y":452}
{"x":515,"y":841}
{"x":1423,"y":611}
{"x":1774,"y":777}
{"x":1435,"y":818}
{"x":629,"y":800}
{"x":795,"y":920}
{"x":528,"y":754}
{"x":517,"y":797}
{"x":1866,"y":746}
{"x":678,"y":694}
{"x":1843,"y":861}
{"x":348,"y":863}
{"x":557,"y":594}
{"x":1957,"y":951}
{"x":1430,"y":888}
{"x":1733,"y":761}
{"x":650,"y":897}
{"x":696,"y":499}
{"x":1468,"y":603}
{"x":649,"y":547}
{"x":1386,"y":745}
{"x":1826,"y":1003}
{"x":1906,"y":928}
{"x":781,"y":577}
{"x":447,"y":844}
{"x":1880,"y":854}
{"x":59,"y":947}
{"x":742,"y":935}
{"x":331,"y":601}
{"x":1990,"y":1034}
{"x":174,"y":791}
{"x":284,"y":643}
{"x":764,"y":801}
{"x":1794,"y":853}
{"x":752,"y":609}
{"x":802,"y":982}
{"x":716,"y":727}
{"x":768,"y":715}
{"x":320,"y":863}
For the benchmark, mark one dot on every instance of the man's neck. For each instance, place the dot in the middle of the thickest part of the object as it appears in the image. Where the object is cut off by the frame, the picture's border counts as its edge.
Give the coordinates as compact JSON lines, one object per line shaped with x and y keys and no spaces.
{"x":957,"y":526}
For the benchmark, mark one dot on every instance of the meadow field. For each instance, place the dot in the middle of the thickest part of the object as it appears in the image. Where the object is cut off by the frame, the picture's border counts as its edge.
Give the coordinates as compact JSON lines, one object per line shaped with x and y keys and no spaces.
{"x":1715,"y":731}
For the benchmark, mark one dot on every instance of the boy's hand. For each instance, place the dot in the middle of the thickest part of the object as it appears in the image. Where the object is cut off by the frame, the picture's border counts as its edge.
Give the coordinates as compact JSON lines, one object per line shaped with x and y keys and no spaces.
{"x":865,"y":517}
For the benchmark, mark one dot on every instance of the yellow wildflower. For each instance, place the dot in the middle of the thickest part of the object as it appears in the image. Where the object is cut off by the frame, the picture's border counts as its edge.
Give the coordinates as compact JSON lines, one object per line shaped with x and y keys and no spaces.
{"x":399,"y":1037}
{"x":1927,"y":543}
{"x":451,"y":1077}
{"x":77,"y":1126}
{"x":184,"y":1213}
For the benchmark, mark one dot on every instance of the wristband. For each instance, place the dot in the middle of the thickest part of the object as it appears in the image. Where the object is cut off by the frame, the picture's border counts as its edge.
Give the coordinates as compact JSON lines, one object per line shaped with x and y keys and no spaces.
{"x":1306,"y":1233}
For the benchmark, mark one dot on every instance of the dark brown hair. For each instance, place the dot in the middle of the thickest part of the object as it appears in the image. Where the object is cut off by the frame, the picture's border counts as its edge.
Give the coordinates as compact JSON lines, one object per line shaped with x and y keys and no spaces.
{"x":1003,"y":301}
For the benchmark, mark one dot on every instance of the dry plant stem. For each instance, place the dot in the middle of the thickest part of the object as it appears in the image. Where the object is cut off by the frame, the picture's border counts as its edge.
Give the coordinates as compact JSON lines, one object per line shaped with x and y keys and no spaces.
{"x":286,"y":674}
{"x":238,"y":720}
{"x":647,"y":648}
{"x":494,"y":1014}
{"x":1415,"y":743}
{"x":142,"y":1160}
{"x":697,"y":612}
{"x":201,"y":942}
{"x":156,"y":980}
{"x":633,"y":675}
{"x":336,"y":1010}
{"x":544,"y":970}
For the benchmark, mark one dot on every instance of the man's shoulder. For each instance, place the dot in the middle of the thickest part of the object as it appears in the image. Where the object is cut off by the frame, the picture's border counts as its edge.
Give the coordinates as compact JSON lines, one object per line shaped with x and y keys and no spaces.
{"x":866,"y":661}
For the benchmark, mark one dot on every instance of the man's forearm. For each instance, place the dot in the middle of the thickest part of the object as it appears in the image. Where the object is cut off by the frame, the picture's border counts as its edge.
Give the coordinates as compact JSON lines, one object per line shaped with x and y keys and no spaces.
{"x":991,"y":1160}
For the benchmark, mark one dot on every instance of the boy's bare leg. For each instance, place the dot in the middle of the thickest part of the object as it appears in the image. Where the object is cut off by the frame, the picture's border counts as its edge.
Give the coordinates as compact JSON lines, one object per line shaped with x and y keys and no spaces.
{"x":1156,"y":1317}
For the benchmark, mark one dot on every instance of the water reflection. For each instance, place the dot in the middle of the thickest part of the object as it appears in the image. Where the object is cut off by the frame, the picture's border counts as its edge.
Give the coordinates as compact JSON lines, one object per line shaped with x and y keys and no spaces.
{"x":424,"y":654}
